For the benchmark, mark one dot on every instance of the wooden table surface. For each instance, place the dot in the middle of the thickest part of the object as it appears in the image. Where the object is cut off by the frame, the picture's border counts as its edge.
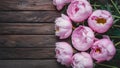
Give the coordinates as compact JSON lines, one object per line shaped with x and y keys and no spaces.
{"x":27,"y":37}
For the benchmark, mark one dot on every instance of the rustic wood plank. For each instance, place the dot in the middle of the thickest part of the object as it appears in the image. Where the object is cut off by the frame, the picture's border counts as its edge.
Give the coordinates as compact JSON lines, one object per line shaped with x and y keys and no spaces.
{"x":27,"y":53}
{"x":42,"y":41}
{"x":33,"y":53}
{"x":28,"y":16}
{"x":30,"y":64}
{"x":43,"y":64}
{"x":25,"y":41}
{"x":29,"y":41}
{"x":26,"y":28}
{"x":26,"y":5}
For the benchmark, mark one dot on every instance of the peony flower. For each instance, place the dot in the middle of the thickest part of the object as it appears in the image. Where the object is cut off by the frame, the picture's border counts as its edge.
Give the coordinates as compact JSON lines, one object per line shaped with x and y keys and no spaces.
{"x":82,"y":38}
{"x":79,"y":10}
{"x":64,"y":53}
{"x":60,"y":3}
{"x":63,"y":27}
{"x":103,"y":50}
{"x":100,"y":21}
{"x":82,"y":60}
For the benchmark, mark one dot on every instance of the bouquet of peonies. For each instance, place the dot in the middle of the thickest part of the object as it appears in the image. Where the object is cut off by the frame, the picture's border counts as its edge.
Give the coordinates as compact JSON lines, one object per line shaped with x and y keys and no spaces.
{"x":89,"y":47}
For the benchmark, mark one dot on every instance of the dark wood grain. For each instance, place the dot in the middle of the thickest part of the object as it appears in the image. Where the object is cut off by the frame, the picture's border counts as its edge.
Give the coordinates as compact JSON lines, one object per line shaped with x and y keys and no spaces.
{"x":26,"y":28}
{"x":27,"y":53}
{"x":42,"y":41}
{"x":42,"y":64}
{"x":28,"y":16}
{"x":33,"y":53}
{"x":30,"y":64}
{"x":26,"y":5}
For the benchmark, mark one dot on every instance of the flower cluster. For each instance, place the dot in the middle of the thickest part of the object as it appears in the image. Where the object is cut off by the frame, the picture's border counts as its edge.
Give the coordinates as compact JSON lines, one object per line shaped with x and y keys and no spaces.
{"x":83,"y":38}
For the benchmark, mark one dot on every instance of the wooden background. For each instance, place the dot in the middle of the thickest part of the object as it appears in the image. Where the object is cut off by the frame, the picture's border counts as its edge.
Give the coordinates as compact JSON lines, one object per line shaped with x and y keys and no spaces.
{"x":27,"y":37}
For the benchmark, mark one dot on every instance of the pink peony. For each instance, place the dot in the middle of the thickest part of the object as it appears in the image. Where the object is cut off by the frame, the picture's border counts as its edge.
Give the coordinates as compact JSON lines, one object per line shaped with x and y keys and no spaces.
{"x":60,"y":3}
{"x":103,"y":50}
{"x":79,"y":10}
{"x":63,"y":27}
{"x":100,"y":21}
{"x":82,"y":60}
{"x":64,"y":53}
{"x":82,"y":38}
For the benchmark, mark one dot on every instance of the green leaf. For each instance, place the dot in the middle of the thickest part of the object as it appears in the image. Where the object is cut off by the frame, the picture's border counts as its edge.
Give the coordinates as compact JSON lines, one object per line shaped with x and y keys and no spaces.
{"x":114,"y":32}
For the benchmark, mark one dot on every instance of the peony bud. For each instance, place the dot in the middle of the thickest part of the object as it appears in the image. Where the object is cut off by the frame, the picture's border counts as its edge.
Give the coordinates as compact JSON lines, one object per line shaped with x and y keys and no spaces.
{"x":103,"y":50}
{"x":63,"y":27}
{"x":82,"y":38}
{"x":64,"y":53}
{"x":79,"y":10}
{"x":100,"y":21}
{"x":82,"y":60}
{"x":60,"y":3}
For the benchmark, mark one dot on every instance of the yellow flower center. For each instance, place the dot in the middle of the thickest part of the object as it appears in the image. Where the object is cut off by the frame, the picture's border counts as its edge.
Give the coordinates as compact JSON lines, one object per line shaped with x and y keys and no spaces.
{"x":98,"y":50}
{"x":101,"y":20}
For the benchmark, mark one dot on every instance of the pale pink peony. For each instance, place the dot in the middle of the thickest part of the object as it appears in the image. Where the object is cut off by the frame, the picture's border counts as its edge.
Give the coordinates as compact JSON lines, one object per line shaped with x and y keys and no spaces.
{"x":82,"y":38}
{"x":63,"y":27}
{"x":60,"y":3}
{"x":100,"y":21}
{"x":82,"y":60}
{"x":79,"y":10}
{"x":103,"y":50}
{"x":64,"y":53}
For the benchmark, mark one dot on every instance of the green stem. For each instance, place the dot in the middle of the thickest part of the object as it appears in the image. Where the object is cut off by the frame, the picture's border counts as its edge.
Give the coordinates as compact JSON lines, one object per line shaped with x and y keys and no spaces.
{"x":106,"y":65}
{"x":116,"y":16}
{"x":114,"y":36}
{"x":116,"y":26}
{"x":115,"y":21}
{"x":115,"y":6}
{"x":117,"y":43}
{"x":100,"y":6}
{"x":96,"y":5}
